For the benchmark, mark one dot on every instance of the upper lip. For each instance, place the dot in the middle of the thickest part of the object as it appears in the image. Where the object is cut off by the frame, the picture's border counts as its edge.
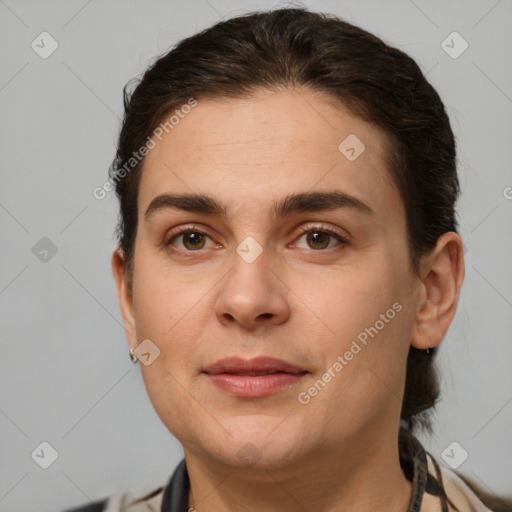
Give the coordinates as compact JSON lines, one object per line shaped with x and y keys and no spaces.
{"x":255,"y":366}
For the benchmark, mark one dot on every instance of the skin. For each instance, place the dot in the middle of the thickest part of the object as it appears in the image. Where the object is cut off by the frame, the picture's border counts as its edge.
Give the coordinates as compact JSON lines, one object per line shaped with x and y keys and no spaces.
{"x":294,"y":302}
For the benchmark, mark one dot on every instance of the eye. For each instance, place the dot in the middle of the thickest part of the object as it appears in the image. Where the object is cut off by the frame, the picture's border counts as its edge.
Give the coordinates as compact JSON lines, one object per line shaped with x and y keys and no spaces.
{"x":193,"y":239}
{"x":319,"y":238}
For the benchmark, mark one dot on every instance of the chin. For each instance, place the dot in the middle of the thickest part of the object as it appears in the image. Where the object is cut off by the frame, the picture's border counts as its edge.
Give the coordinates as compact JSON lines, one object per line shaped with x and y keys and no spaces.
{"x":255,"y":443}
{"x":248,"y":455}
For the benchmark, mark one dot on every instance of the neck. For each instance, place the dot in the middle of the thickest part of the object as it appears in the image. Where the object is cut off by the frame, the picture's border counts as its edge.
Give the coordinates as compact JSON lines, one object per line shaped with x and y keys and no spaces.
{"x":363,"y":478}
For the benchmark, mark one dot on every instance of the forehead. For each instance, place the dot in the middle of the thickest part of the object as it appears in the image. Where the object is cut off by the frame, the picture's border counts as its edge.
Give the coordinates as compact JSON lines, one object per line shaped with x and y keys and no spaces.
{"x":257,"y":149}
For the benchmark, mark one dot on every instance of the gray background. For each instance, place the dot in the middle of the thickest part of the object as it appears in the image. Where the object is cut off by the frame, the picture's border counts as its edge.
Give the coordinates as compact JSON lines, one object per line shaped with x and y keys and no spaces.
{"x":65,"y":373}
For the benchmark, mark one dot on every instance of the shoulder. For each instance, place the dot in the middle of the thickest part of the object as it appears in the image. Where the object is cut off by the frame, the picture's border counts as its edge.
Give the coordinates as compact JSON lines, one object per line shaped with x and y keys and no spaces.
{"x":170,"y":495}
{"x":458,"y":492}
{"x":97,"y":506}
{"x":126,"y":502}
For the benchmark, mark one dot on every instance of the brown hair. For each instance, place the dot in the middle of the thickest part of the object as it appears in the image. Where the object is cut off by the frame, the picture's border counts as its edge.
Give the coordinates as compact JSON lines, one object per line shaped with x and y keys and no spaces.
{"x":296,"y":48}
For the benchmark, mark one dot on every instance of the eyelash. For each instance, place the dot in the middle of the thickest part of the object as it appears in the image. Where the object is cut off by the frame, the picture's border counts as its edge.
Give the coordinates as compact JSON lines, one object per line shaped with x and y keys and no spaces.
{"x":196,"y":229}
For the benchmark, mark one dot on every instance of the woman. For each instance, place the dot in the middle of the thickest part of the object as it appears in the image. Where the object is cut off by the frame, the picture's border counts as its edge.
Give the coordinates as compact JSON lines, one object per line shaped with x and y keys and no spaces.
{"x":288,"y":263}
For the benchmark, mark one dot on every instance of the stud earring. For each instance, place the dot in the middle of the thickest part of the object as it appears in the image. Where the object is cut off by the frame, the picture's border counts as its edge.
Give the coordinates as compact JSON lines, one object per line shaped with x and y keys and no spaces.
{"x":133,"y":357}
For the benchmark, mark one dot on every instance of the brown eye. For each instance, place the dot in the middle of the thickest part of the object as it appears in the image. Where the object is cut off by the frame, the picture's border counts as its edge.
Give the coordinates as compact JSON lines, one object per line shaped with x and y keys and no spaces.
{"x":320,"y":239}
{"x":193,"y":240}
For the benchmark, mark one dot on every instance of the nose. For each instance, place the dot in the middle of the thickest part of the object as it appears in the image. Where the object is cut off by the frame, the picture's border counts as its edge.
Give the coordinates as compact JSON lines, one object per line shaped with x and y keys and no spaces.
{"x":253,"y":294}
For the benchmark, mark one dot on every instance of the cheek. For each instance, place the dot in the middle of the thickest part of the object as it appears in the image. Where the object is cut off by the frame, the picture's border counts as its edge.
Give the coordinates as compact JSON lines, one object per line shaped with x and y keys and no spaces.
{"x":364,"y":357}
{"x":171,"y":399}
{"x":351,"y":299}
{"x":164,"y":299}
{"x":366,"y":318}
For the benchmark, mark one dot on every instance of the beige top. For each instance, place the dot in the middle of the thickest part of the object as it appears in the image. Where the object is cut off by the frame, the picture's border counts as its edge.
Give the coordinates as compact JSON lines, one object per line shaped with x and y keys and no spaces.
{"x":456,"y":489}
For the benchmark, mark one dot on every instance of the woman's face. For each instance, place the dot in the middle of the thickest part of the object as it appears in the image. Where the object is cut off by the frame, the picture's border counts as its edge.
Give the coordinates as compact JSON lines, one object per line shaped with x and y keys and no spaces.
{"x":321,"y":283}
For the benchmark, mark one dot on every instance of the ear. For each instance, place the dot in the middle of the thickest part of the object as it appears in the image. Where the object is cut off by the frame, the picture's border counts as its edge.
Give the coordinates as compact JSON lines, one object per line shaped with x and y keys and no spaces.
{"x":124,"y":295}
{"x":441,"y":273}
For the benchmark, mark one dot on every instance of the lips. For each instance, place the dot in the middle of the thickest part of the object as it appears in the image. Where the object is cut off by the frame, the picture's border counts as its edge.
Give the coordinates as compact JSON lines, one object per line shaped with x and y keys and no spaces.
{"x":253,"y":378}
{"x":256,"y":366}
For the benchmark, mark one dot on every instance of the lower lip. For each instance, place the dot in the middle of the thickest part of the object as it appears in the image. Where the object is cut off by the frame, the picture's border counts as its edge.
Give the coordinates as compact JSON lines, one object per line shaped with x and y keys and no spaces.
{"x":254,"y":386}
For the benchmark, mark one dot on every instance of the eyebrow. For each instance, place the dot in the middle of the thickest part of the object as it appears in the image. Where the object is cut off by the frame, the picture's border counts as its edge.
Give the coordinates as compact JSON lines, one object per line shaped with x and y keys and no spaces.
{"x":294,"y":203}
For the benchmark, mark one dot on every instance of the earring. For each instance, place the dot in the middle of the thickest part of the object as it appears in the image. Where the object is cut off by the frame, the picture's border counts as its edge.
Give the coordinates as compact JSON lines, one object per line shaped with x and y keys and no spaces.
{"x":133,"y":357}
{"x":428,"y":350}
